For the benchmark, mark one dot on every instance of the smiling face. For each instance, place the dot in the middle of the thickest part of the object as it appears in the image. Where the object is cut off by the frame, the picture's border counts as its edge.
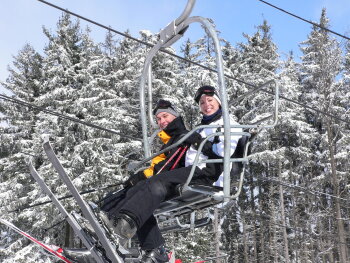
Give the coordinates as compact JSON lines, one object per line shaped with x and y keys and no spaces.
{"x":208,"y":105}
{"x":163,"y":119}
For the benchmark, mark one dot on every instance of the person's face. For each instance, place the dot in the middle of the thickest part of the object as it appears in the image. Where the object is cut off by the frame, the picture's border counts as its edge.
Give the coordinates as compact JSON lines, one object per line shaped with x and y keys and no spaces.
{"x":208,"y":105}
{"x":164,"y":118}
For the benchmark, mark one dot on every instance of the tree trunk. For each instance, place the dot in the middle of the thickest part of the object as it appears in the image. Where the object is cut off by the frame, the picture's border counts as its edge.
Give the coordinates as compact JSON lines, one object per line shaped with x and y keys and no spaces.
{"x":272,"y":227}
{"x":262,"y":229}
{"x":340,"y":223}
{"x":295,"y":217}
{"x":253,"y":209}
{"x":217,"y":235}
{"x":283,"y":218}
{"x":245,"y":245}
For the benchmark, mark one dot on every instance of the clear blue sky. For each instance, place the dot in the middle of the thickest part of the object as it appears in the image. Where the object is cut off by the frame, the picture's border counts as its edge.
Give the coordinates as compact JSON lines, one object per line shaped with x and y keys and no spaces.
{"x":22,"y":20}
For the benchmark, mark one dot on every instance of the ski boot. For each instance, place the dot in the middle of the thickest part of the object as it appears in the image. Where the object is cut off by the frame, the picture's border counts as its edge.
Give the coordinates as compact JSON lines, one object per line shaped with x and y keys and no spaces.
{"x":78,"y":255}
{"x":119,"y":229}
{"x":156,"y":255}
{"x":123,"y":225}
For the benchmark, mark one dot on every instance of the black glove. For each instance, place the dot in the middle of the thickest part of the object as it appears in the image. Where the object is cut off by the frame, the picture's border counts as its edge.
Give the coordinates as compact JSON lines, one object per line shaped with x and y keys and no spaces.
{"x":134,"y":179}
{"x":195,"y":139}
{"x":208,"y":150}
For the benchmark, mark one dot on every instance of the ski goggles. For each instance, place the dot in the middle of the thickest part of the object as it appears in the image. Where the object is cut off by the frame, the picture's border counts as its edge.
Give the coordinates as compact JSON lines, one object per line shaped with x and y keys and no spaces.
{"x":207,"y":90}
{"x":163,"y":105}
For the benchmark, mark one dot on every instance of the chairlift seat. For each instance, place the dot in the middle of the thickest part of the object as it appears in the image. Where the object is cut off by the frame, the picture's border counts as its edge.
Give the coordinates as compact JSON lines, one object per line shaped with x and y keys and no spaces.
{"x":199,"y":197}
{"x":196,"y":198}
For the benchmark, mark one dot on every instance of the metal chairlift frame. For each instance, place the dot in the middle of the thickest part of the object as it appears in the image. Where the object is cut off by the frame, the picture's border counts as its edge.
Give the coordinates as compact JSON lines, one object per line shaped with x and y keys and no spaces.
{"x":169,"y":35}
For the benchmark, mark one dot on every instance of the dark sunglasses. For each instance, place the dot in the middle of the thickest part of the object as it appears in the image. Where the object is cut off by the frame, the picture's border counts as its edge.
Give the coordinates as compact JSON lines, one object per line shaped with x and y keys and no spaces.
{"x":207,"y":90}
{"x":162,"y":104}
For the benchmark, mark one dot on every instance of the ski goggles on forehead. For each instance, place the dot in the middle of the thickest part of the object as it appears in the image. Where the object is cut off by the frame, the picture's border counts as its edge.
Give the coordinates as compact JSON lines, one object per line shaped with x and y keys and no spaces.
{"x":207,"y":90}
{"x":162,"y":105}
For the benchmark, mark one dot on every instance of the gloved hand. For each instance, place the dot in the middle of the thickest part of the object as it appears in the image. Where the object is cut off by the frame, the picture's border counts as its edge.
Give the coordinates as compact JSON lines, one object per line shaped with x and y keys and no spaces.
{"x":195,"y":139}
{"x":134,"y":179}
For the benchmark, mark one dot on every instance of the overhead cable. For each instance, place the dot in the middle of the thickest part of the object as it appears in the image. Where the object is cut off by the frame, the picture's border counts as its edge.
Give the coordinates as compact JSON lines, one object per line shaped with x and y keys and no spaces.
{"x":192,"y":62}
{"x":51,"y":112}
{"x":313,"y":192}
{"x":65,"y":197}
{"x":305,"y":20}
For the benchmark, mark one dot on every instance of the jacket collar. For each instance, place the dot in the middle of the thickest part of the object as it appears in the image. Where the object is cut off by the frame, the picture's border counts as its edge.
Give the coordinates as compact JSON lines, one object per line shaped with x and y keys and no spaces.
{"x":176,"y":127}
{"x":215,"y":116}
{"x":164,"y":136}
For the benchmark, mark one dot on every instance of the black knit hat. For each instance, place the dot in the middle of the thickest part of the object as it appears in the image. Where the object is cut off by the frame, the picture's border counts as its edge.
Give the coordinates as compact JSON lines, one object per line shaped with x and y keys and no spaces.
{"x":165,"y":106}
{"x":207,"y":90}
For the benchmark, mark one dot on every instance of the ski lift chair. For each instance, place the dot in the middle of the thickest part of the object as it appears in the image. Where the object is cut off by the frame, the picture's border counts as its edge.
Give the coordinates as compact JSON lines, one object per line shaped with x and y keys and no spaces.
{"x":196,"y":197}
{"x":199,"y":197}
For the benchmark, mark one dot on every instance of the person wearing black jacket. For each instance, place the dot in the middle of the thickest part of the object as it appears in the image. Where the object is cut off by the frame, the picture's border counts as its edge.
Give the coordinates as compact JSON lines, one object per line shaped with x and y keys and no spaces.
{"x":149,"y":236}
{"x":151,"y":241}
{"x":172,"y":129}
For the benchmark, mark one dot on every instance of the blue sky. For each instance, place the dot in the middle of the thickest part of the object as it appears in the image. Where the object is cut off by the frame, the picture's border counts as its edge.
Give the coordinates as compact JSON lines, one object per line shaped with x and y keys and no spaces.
{"x":22,"y":20}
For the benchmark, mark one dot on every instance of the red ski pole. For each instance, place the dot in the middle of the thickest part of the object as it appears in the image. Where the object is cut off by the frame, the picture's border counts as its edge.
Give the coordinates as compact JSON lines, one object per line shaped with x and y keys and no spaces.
{"x":169,"y":160}
{"x":179,"y":157}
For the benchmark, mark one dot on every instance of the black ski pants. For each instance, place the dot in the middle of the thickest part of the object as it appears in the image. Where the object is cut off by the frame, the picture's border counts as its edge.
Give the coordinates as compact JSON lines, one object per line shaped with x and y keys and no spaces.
{"x":148,"y":234}
{"x":141,"y":200}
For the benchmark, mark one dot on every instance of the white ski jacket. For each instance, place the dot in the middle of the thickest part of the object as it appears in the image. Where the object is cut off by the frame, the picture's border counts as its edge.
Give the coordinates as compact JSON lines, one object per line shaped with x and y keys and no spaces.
{"x":218,"y":148}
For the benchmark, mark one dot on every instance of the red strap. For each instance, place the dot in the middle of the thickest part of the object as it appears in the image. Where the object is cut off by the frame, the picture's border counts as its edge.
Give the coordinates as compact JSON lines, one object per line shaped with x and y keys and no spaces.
{"x":169,"y":160}
{"x":179,"y":157}
{"x":52,"y":251}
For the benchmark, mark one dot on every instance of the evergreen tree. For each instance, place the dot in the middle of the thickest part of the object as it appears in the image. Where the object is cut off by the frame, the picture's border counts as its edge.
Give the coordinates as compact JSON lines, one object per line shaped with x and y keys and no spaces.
{"x":17,"y":144}
{"x":256,"y":63}
{"x":321,"y":64}
{"x":70,"y":80}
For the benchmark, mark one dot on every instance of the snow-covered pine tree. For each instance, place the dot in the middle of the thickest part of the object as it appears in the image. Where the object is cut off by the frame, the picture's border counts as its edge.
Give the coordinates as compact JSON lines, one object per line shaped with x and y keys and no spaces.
{"x":189,"y":83}
{"x":117,"y":76}
{"x":71,"y":82}
{"x":292,"y":148}
{"x":68,"y":56}
{"x":321,"y":66}
{"x":257,"y":63}
{"x":17,"y":188}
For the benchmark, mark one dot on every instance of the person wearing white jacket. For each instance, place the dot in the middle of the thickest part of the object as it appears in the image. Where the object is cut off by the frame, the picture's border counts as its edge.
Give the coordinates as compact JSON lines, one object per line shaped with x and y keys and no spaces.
{"x":210,"y":106}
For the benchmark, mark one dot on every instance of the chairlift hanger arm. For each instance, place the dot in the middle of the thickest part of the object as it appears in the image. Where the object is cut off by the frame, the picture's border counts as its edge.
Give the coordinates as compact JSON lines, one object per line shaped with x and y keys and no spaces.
{"x":186,"y":13}
{"x":169,"y":35}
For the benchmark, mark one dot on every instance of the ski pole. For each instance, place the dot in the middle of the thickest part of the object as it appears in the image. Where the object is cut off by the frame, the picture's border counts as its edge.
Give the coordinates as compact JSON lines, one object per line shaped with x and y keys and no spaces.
{"x":179,"y":157}
{"x":169,"y":160}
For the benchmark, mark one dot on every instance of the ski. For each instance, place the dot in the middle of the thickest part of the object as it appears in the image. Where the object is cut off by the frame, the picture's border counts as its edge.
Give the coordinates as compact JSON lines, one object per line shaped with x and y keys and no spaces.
{"x":55,"y":251}
{"x":108,"y":247}
{"x":88,"y":241}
